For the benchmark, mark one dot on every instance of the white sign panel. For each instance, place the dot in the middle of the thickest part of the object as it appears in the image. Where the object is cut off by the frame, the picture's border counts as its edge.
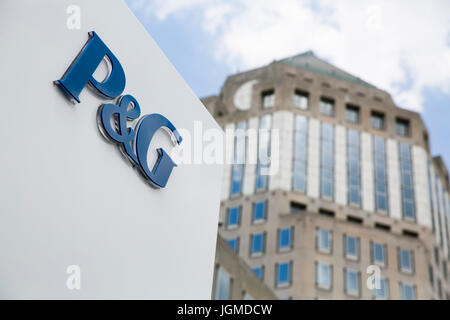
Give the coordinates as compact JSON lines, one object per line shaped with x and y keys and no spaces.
{"x":87,"y":214}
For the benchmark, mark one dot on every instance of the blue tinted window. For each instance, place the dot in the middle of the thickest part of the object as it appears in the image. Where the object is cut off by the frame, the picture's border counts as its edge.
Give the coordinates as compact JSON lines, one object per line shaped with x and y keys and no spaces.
{"x":379,"y":156}
{"x":259,"y":271}
{"x":237,"y":170}
{"x":263,"y":165}
{"x":377,"y":120}
{"x":379,"y":254}
{"x":353,"y":167}
{"x":234,"y":244}
{"x":351,"y":247}
{"x":323,"y":275}
{"x":352,"y":285}
{"x":326,"y":107}
{"x":237,"y":173}
{"x":352,"y":114}
{"x":402,"y":127}
{"x":382,"y":292}
{"x":301,"y":100}
{"x":284,"y":238}
{"x":259,"y":211}
{"x":257,"y":243}
{"x":445,"y":213}
{"x":268,"y":99}
{"x":407,"y":291}
{"x":327,"y":161}
{"x":284,"y":273}
{"x":223,"y":285}
{"x":233,"y":217}
{"x":438,"y":208}
{"x":406,"y":260}
{"x":408,"y":207}
{"x":324,"y":240}
{"x":261,"y":179}
{"x":430,"y":191}
{"x":300,"y":153}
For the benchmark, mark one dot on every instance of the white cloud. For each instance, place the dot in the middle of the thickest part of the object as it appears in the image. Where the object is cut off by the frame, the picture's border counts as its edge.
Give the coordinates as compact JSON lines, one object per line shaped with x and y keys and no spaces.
{"x":164,"y":8}
{"x":401,"y":46}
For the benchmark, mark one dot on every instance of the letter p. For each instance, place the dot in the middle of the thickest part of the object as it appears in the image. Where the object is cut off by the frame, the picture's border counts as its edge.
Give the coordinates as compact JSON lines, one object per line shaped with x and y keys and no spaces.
{"x":80,"y":73}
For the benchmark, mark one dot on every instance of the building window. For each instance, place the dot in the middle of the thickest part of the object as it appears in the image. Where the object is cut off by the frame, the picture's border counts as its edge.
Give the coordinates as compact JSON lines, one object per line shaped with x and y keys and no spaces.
{"x":407,"y":291}
{"x":426,"y":140}
{"x":258,"y":241}
{"x":438,"y":213}
{"x":283,"y":274}
{"x":268,"y":99}
{"x":402,"y":127}
{"x":436,"y":255}
{"x":327,"y":213}
{"x":379,"y":254}
{"x":323,"y":275}
{"x":223,"y":285}
{"x":327,"y":107}
{"x":327,"y":161}
{"x":405,"y":260}
{"x":444,"y":269}
{"x":300,"y":153}
{"x":352,"y":114}
{"x":377,"y":120}
{"x":301,"y":100}
{"x":382,"y":293}
{"x":441,"y":211}
{"x":379,"y":157}
{"x":445,"y":213}
{"x":259,"y":271}
{"x":351,"y":245}
{"x":233,"y":217}
{"x":234,"y":244}
{"x":285,"y":239}
{"x":247,"y":296}
{"x":430,"y":191}
{"x":439,"y":285}
{"x":324,"y":241}
{"x":259,"y":211}
{"x":296,"y":207}
{"x":237,"y":170}
{"x":352,"y":282}
{"x":237,"y":173}
{"x":407,"y":186}
{"x":354,"y":167}
{"x":431,"y":275}
{"x":263,"y":165}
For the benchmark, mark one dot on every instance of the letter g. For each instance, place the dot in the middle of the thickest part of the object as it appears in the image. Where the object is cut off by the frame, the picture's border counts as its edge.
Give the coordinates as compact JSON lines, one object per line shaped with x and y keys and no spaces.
{"x":164,"y":164}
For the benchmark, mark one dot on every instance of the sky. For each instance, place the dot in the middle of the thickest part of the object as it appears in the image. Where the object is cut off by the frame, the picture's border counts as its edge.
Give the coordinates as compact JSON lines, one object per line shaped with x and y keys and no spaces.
{"x":400,"y":46}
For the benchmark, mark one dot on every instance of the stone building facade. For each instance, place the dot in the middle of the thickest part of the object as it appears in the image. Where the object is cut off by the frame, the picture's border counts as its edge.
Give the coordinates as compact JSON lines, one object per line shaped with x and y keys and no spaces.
{"x":234,"y":279}
{"x":354,"y":190}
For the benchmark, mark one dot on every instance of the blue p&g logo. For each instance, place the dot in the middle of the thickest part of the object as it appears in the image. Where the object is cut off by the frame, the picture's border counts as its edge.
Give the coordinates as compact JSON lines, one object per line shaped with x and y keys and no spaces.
{"x":134,"y":142}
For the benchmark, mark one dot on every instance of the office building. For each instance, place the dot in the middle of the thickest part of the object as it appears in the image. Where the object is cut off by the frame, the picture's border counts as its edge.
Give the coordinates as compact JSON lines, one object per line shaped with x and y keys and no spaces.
{"x":353,"y":191}
{"x":234,"y":279}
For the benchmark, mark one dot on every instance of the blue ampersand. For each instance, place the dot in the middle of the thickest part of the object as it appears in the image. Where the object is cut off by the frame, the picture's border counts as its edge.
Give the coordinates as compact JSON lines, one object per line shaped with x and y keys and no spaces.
{"x":135,"y":142}
{"x":127,"y":109}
